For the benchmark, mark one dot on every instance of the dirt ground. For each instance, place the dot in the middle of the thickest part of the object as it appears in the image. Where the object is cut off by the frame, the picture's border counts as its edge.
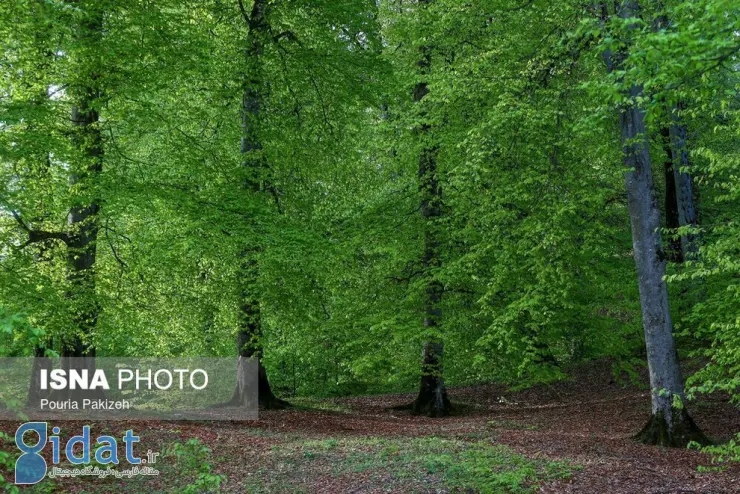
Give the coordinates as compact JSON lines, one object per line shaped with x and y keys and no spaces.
{"x":586,"y":422}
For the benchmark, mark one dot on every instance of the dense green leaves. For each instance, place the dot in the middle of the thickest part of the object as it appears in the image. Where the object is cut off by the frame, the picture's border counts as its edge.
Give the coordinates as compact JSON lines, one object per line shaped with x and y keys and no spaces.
{"x":535,"y":238}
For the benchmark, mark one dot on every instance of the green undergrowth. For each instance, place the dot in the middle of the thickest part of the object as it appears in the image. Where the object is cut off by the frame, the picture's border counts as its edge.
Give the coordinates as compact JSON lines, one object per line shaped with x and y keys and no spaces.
{"x":721,"y":455}
{"x":407,"y":464}
{"x":309,"y":403}
{"x":512,"y":425}
{"x":188,"y":467}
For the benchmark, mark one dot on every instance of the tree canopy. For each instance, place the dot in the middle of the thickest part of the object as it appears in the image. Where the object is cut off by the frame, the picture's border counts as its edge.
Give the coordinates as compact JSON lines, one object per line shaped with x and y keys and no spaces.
{"x":371,"y":177}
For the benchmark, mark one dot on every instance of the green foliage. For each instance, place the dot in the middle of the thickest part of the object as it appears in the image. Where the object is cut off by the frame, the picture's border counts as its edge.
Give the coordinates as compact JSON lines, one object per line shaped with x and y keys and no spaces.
{"x":17,"y":336}
{"x":193,"y":461}
{"x":722,"y":455}
{"x":535,"y":247}
{"x":476,"y":466}
{"x":7,"y":465}
{"x":7,"y":470}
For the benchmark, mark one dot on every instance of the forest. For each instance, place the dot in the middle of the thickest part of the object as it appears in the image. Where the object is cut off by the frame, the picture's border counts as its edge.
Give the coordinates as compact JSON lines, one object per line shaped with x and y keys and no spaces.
{"x":473,"y":245}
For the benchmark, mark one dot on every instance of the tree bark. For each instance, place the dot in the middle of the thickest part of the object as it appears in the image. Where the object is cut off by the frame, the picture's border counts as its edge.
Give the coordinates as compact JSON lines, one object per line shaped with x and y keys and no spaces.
{"x":83,"y":217}
{"x":670,"y":424}
{"x":683,"y":182}
{"x":35,"y":393}
{"x":432,"y":399}
{"x":674,"y":252}
{"x":679,"y":184}
{"x":250,"y":330}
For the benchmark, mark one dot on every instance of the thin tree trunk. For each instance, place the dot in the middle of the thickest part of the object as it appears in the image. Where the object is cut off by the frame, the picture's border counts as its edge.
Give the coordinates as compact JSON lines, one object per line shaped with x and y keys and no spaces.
{"x":679,"y":186}
{"x":684,"y":184}
{"x":250,"y":330}
{"x":674,"y":251}
{"x":432,"y":399}
{"x":35,"y":393}
{"x":83,"y":217}
{"x":670,"y":424}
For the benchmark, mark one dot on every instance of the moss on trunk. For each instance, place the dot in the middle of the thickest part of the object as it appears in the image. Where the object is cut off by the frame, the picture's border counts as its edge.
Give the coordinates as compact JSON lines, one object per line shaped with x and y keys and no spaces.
{"x":677,"y":434}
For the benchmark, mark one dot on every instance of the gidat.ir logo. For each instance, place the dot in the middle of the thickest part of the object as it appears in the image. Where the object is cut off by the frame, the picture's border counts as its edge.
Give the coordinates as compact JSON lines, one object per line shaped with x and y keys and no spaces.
{"x":31,"y":467}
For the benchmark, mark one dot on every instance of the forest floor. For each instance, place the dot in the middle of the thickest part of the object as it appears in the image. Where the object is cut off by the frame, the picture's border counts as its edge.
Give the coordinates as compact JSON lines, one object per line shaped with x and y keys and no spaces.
{"x":572,"y":436}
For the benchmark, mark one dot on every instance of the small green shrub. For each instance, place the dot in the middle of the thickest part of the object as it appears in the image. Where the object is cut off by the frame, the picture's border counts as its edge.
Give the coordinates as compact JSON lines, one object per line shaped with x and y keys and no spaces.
{"x":721,"y":454}
{"x":194,"y":456}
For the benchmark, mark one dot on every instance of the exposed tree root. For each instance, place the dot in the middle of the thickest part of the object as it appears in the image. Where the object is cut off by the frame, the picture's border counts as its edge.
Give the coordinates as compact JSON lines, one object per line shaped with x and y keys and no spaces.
{"x":273,"y":403}
{"x":432,"y":400}
{"x":678,"y":434}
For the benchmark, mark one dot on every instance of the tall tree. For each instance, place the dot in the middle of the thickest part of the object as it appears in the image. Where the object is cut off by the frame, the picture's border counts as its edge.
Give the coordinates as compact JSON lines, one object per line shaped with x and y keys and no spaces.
{"x":83,"y":220}
{"x":432,"y":399}
{"x":78,"y":89}
{"x":670,"y":423}
{"x":250,"y":321}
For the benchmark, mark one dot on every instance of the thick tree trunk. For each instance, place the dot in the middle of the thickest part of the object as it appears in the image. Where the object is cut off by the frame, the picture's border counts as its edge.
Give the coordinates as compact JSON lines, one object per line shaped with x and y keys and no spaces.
{"x":248,"y":345}
{"x":670,"y":424}
{"x":250,"y":330}
{"x":432,"y":399}
{"x":248,"y":349}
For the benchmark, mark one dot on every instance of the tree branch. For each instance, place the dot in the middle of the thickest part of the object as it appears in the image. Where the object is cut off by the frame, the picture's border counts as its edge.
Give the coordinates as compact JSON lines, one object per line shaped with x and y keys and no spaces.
{"x":289,"y":35}
{"x":35,"y":236}
{"x":245,"y":16}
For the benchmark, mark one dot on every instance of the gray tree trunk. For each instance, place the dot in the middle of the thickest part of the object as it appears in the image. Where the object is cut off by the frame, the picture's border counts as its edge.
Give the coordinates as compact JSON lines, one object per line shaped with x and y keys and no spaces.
{"x":432,"y":399}
{"x":670,"y":424}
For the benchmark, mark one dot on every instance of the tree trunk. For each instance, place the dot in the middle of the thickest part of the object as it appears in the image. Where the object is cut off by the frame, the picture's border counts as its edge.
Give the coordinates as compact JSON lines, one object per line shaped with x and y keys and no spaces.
{"x":248,"y":345}
{"x":679,"y":185}
{"x":432,"y":399}
{"x":83,"y":216}
{"x":250,"y":330}
{"x":35,"y":393}
{"x":674,"y":252}
{"x":683,"y":184}
{"x":670,"y":424}
{"x":249,"y":349}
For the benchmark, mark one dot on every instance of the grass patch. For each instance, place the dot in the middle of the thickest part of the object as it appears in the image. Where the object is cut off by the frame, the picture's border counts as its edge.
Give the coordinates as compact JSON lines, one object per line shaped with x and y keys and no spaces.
{"x":307,"y":403}
{"x":512,"y":425}
{"x":408,"y":464}
{"x":186,"y":467}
